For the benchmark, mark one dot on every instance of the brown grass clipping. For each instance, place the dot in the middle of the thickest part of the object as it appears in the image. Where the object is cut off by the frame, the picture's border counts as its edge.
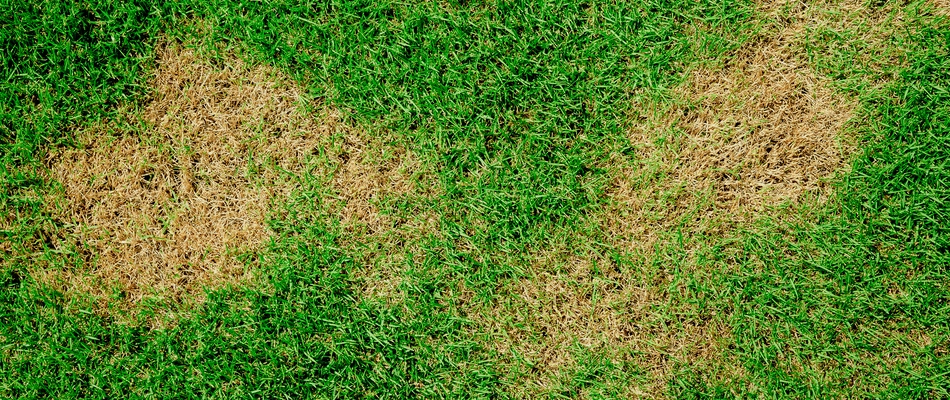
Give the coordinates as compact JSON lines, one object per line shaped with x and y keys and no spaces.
{"x":167,"y":211}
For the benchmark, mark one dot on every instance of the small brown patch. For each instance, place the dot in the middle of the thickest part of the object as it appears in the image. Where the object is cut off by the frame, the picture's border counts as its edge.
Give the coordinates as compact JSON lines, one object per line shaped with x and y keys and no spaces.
{"x":941,"y":7}
{"x":167,"y":211}
{"x":588,"y":302}
{"x":761,"y":131}
{"x":369,"y":172}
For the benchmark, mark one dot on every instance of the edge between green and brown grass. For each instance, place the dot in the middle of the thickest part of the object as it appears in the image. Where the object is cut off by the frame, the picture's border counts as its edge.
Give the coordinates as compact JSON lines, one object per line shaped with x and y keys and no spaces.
{"x":521,"y":111}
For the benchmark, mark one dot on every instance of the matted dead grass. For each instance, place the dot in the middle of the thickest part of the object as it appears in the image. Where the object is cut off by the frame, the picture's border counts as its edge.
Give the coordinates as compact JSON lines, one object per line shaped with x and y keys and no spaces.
{"x":167,"y":210}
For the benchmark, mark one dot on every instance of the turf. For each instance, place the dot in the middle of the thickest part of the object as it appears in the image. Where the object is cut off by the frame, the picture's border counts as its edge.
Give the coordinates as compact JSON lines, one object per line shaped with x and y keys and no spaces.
{"x":517,"y":116}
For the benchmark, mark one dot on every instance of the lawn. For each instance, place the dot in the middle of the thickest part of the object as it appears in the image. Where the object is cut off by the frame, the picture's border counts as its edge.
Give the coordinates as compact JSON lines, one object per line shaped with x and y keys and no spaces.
{"x":475,"y":199}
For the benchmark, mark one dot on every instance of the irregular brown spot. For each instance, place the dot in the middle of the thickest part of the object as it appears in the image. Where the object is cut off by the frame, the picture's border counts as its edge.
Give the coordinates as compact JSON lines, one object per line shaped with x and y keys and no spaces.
{"x":166,"y":211}
{"x":758,"y":132}
{"x":761,"y":131}
{"x":369,"y":172}
{"x":570,"y":302}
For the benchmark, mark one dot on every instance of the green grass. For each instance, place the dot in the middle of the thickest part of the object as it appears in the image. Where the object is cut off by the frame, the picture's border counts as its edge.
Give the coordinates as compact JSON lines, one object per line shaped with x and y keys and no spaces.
{"x":518,"y":108}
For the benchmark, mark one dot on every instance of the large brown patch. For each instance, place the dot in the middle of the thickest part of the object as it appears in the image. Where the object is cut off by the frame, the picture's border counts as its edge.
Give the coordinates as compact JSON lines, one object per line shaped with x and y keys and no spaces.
{"x":759,"y":132}
{"x":756,"y":135}
{"x":166,"y":207}
{"x":168,"y":210}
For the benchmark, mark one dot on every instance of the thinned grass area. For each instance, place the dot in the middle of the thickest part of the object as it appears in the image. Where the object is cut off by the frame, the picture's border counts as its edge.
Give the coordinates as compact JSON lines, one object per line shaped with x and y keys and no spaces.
{"x":167,"y":209}
{"x":758,"y":133}
{"x":752,"y":135}
{"x":490,"y":199}
{"x":847,"y":299}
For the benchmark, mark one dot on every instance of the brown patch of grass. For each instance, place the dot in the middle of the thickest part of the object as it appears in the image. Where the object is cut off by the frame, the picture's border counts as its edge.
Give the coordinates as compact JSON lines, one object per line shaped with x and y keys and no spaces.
{"x":570,"y":302}
{"x":756,"y":133}
{"x":759,"y":136}
{"x":754,"y":136}
{"x":369,"y":172}
{"x":759,"y":133}
{"x":167,"y":211}
{"x":941,"y":7}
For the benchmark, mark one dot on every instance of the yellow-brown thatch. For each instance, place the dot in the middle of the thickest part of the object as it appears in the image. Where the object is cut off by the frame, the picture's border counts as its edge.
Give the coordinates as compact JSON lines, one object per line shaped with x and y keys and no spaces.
{"x":758,"y":132}
{"x":166,"y":211}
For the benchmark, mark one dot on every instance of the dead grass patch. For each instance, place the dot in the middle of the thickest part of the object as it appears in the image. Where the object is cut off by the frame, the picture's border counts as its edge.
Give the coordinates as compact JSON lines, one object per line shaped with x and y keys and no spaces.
{"x":758,"y":132}
{"x":166,"y":210}
{"x":941,"y":7}
{"x":751,"y":136}
{"x":569,"y":303}
{"x":370,"y":172}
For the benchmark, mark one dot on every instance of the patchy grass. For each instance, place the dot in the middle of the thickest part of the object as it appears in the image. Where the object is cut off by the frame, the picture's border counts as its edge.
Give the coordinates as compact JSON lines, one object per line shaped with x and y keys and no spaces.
{"x":758,"y":133}
{"x":833,"y":302}
{"x":166,"y":207}
{"x":479,"y":199}
{"x":385,"y":208}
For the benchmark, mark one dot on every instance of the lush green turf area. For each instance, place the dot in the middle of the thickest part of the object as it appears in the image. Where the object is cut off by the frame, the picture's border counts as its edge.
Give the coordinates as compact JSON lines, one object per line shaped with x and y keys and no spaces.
{"x":517,"y":107}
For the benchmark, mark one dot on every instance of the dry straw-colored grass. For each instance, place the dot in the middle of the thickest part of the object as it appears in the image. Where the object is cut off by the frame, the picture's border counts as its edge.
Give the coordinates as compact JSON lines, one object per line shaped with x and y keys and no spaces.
{"x":757,"y":134}
{"x":744,"y":138}
{"x":941,"y":7}
{"x":571,"y":303}
{"x":370,"y":173}
{"x":167,"y":211}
